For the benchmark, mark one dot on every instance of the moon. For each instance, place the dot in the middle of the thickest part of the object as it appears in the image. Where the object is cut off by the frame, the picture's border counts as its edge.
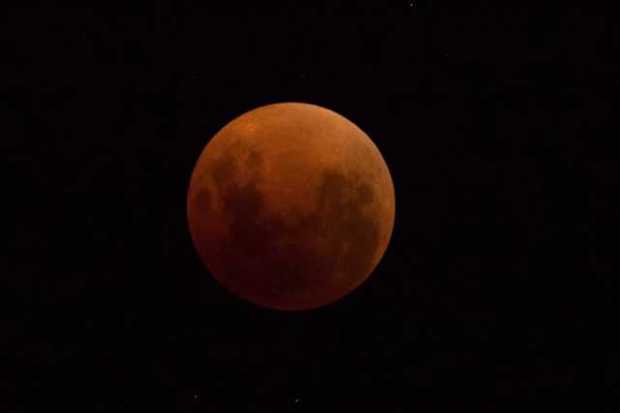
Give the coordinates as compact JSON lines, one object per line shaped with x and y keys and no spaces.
{"x":290,"y":206}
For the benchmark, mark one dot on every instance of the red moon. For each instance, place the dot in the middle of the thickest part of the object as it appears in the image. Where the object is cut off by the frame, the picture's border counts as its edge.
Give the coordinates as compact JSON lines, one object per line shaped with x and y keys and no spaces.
{"x":290,"y":206}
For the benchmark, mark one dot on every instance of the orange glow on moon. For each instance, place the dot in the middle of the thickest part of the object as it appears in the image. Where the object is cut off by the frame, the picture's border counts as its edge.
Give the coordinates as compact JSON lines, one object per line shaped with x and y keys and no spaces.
{"x":290,"y":206}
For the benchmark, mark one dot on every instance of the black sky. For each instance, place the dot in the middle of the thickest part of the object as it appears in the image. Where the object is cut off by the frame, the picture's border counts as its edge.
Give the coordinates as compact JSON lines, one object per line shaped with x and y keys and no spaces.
{"x":496,"y":122}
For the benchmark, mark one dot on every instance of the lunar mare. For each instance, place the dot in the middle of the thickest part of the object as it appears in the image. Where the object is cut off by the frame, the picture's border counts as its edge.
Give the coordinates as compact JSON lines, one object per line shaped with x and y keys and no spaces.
{"x":290,"y":206}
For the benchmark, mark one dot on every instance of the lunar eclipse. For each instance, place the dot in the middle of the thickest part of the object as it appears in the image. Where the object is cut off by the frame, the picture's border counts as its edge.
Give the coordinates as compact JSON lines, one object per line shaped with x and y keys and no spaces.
{"x":290,"y":206}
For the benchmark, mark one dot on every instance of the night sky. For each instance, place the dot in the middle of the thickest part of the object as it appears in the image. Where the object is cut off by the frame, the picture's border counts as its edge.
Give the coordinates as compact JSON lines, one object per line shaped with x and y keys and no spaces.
{"x":496,"y":121}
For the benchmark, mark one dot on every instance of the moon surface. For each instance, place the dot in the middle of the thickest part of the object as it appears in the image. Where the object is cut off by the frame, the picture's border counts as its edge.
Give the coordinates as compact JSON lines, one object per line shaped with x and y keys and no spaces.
{"x":290,"y":206}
